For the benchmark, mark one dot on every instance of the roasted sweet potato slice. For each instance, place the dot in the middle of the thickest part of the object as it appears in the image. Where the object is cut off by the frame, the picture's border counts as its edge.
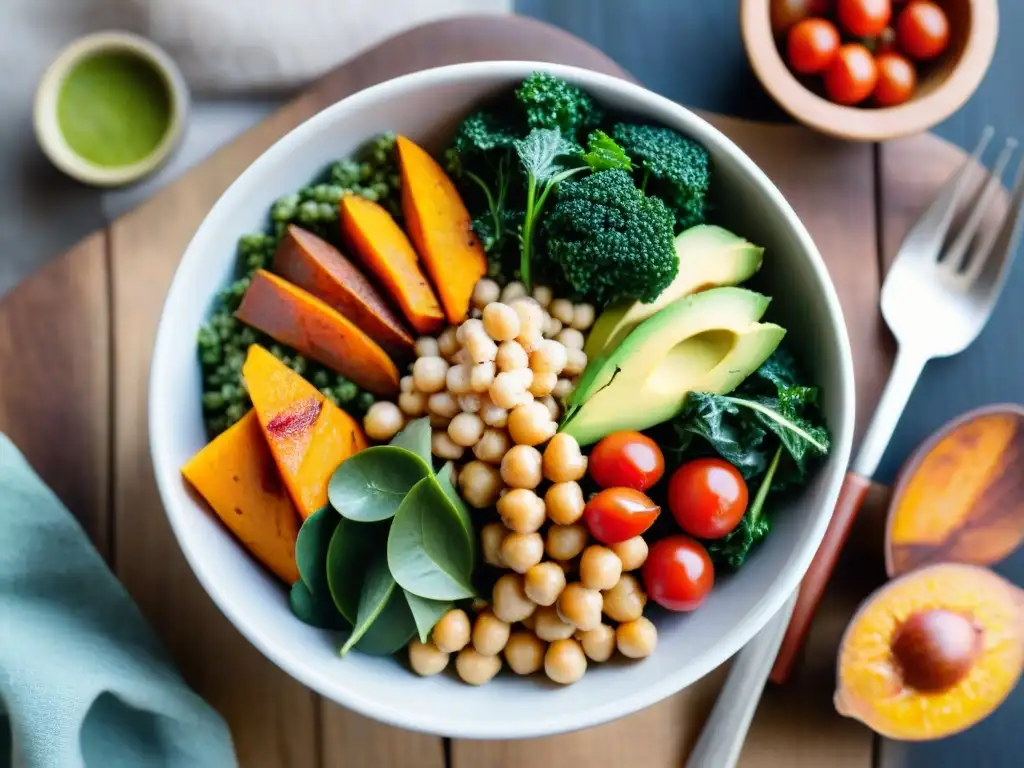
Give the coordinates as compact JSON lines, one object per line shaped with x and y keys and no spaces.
{"x":308,"y":435}
{"x":236,"y":475}
{"x":299,"y":320}
{"x":441,"y":229}
{"x":316,"y":266}
{"x":384,"y":250}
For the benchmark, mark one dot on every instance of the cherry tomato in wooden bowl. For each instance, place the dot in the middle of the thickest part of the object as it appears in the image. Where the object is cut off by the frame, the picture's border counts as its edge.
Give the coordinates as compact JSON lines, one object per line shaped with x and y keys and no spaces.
{"x":811,"y":46}
{"x":617,"y":514}
{"x":678,"y":574}
{"x":897,"y":80}
{"x":628,"y":459}
{"x":707,"y":497}
{"x":922,"y":30}
{"x":852,"y":75}
{"x":863,"y":18}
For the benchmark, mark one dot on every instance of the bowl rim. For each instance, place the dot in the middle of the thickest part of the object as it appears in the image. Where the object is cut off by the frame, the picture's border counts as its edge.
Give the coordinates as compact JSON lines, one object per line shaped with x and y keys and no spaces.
{"x":878,"y":123}
{"x":787,"y":580}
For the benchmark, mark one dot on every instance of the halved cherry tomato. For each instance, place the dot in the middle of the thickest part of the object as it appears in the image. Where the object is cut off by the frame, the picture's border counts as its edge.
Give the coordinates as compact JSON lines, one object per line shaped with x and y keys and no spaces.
{"x":897,"y":80}
{"x":811,"y":46}
{"x":617,"y":514}
{"x":678,"y":573}
{"x":627,"y":459}
{"x":707,"y":497}
{"x":786,"y":13}
{"x":852,"y":75}
{"x":922,"y":30}
{"x":863,"y":18}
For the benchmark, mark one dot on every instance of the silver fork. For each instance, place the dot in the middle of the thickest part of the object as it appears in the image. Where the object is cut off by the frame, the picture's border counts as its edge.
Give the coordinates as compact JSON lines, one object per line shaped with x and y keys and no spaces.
{"x":936,"y":298}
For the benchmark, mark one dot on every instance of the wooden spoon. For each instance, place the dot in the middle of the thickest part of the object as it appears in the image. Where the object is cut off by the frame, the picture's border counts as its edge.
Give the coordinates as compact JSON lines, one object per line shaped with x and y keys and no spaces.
{"x":960,"y":496}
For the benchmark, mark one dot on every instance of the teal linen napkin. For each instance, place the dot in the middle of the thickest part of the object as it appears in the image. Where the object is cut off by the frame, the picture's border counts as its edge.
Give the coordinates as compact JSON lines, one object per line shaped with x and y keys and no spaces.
{"x":84,"y":681}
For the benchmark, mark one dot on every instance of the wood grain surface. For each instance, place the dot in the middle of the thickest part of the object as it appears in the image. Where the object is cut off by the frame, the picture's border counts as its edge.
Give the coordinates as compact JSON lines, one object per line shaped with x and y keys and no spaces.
{"x":75,"y":341}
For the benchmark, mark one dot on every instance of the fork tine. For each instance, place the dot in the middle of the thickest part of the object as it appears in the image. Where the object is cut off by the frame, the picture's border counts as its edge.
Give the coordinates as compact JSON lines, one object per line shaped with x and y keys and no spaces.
{"x":929,"y":231}
{"x":1002,"y":241}
{"x":955,"y":255}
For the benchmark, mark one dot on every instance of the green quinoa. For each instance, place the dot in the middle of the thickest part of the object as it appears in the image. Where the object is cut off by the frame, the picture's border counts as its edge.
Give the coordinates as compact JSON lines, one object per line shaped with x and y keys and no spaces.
{"x":223,"y":341}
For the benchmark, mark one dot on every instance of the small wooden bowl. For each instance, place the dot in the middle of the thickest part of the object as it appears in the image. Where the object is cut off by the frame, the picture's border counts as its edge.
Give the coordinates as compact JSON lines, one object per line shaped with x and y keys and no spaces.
{"x":943,"y":86}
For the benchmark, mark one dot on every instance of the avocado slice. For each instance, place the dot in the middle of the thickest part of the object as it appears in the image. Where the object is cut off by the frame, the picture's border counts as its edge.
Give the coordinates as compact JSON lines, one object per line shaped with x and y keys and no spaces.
{"x":709,"y":256}
{"x":707,"y":342}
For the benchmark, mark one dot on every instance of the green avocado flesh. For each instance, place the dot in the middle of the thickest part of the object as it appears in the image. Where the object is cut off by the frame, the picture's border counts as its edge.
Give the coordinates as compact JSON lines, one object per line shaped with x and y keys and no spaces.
{"x":709,"y":256}
{"x":705,"y":342}
{"x":114,"y":109}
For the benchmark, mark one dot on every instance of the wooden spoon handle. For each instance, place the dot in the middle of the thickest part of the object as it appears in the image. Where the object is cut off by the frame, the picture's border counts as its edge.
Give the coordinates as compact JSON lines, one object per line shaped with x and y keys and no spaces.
{"x":851,"y":496}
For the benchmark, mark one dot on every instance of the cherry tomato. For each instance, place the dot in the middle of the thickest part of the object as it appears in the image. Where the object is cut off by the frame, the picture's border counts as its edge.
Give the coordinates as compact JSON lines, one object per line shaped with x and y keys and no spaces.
{"x":811,"y":46}
{"x":922,"y":30}
{"x":786,"y":13}
{"x":707,"y":497}
{"x":852,"y":75}
{"x":864,"y":18}
{"x":627,"y":459}
{"x":897,"y":80}
{"x":678,"y":573}
{"x":617,"y":514}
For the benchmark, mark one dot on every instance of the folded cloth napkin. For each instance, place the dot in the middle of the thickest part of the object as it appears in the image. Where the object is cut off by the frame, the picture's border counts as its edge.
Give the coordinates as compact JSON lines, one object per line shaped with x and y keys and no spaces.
{"x":84,"y":681}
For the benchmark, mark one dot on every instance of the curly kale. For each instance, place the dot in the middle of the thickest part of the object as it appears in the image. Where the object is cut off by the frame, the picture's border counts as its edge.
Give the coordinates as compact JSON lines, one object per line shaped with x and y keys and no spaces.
{"x":550,"y":102}
{"x":610,"y":240}
{"x":670,"y":166}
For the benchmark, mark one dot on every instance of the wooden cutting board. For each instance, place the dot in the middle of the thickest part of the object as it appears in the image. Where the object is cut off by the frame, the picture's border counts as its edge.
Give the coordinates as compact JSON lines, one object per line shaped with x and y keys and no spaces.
{"x":75,"y":344}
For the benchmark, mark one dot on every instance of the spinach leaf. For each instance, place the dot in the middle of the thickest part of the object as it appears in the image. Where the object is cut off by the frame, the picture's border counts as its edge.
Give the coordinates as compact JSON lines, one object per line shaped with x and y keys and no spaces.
{"x":370,"y":485}
{"x":604,"y":154}
{"x":353,"y":547}
{"x":444,"y":479}
{"x":800,"y":438}
{"x":384,"y":622}
{"x":428,"y":552}
{"x":311,"y":550}
{"x":415,"y":438}
{"x":316,"y":611}
{"x":731,"y":550}
{"x":738,"y":440}
{"x":426,"y":613}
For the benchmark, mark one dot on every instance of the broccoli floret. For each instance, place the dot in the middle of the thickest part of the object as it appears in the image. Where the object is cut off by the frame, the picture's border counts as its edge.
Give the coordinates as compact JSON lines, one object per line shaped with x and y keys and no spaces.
{"x":610,"y":239}
{"x":550,"y":102}
{"x":671,"y":166}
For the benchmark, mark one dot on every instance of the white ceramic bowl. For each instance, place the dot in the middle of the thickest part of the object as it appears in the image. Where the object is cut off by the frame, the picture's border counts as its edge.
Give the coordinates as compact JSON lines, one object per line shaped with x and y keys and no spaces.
{"x":426,"y":106}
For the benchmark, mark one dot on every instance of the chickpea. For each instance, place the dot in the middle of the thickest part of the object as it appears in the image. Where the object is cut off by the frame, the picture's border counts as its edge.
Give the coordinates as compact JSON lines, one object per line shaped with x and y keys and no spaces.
{"x":475,"y":668}
{"x":563,"y":388}
{"x":580,"y":606}
{"x":531,"y":322}
{"x":443,"y":404}
{"x":544,"y":582}
{"x":582,"y":316}
{"x":457,"y":379}
{"x":490,"y":634}
{"x":509,"y":388}
{"x":542,"y":295}
{"x":562,"y":310}
{"x":570,"y":338}
{"x":521,"y":510}
{"x":443,"y":447}
{"x":548,"y":356}
{"x":426,"y":658}
{"x":600,"y":568}
{"x":575,"y":362}
{"x":480,"y":484}
{"x":447,"y":343}
{"x":493,"y":415}
{"x":428,"y":374}
{"x":564,"y":503}
{"x":522,"y":551}
{"x":563,"y":460}
{"x":426,"y":346}
{"x":553,"y":408}
{"x":637,"y":638}
{"x":625,"y":601}
{"x":564,"y":661}
{"x":511,"y":356}
{"x":406,"y":385}
{"x":552,"y":326}
{"x":492,"y":446}
{"x":413,"y":404}
{"x":469,"y":402}
{"x":383,"y":421}
{"x":531,"y":424}
{"x":521,"y":467}
{"x":512,"y":291}
{"x":598,"y":643}
{"x":485,"y":292}
{"x":501,"y":321}
{"x":543,"y":383}
{"x":466,"y":429}
{"x":481,"y":377}
{"x":632,"y":552}
{"x":566,"y":541}
{"x":509,"y":600}
{"x":524,"y":653}
{"x":451,"y":633}
{"x":548,"y":625}
{"x":491,"y":536}
{"x":480,"y":346}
